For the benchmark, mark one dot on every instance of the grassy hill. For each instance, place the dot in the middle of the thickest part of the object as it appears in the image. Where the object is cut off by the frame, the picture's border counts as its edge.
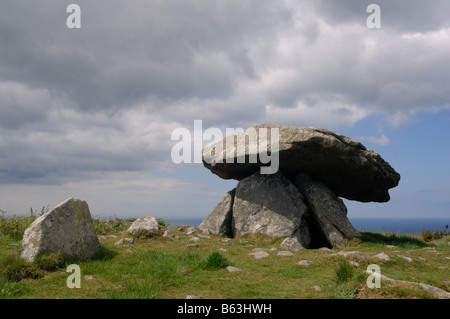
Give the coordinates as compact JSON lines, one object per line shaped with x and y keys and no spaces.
{"x":154,"y":266}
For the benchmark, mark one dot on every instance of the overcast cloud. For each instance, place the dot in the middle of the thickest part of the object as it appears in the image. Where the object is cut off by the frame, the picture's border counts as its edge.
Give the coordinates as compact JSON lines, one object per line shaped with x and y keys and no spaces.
{"x":85,"y":105}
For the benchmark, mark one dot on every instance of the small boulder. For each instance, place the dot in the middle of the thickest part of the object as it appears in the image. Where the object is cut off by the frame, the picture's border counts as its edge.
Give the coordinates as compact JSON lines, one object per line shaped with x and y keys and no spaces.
{"x":382,"y":256}
{"x":259,"y":254}
{"x":291,"y":244}
{"x":304,"y":263}
{"x":284,"y":253}
{"x":408,"y":259}
{"x":233,"y":269}
{"x":190,"y":230}
{"x":351,"y":254}
{"x":168,"y":234}
{"x":143,"y":223}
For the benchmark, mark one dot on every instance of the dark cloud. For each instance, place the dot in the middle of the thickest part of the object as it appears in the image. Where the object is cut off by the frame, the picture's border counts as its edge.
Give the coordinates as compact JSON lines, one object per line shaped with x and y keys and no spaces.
{"x":126,"y":52}
{"x":396,"y":15}
{"x":106,"y":97}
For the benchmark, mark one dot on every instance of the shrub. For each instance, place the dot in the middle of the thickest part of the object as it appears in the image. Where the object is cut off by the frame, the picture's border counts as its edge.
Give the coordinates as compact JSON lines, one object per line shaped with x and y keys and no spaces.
{"x":216,"y":261}
{"x":7,"y":289}
{"x":15,"y":269}
{"x":111,"y":226}
{"x":161,"y":222}
{"x":438,"y":235}
{"x":15,"y":226}
{"x":392,"y":239}
{"x":344,"y":272}
{"x":427,"y":235}
{"x":345,"y":292}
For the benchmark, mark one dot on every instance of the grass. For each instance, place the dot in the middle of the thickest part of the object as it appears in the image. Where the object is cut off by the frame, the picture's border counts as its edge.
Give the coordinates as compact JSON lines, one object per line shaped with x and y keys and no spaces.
{"x":344,"y":272}
{"x":159,"y":267}
{"x":15,"y":226}
{"x":216,"y":261}
{"x":392,"y":239}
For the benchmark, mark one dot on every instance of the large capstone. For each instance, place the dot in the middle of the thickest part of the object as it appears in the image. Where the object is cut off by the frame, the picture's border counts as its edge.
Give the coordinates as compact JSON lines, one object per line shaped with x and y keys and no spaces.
{"x":67,"y":228}
{"x":345,"y":166}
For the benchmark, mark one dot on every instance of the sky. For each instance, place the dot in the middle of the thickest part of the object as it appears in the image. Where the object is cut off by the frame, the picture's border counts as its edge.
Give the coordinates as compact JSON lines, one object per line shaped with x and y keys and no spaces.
{"x":89,"y":112}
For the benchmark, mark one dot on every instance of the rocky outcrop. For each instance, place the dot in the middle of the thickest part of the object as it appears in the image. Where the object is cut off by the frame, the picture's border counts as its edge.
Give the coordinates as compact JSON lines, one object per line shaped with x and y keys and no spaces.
{"x":67,"y":228}
{"x":345,"y":166}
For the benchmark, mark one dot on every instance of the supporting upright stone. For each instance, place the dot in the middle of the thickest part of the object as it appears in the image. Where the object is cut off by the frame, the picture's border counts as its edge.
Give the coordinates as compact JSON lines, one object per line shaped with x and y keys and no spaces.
{"x":270,"y":204}
{"x":328,"y":212}
{"x":219,"y":220}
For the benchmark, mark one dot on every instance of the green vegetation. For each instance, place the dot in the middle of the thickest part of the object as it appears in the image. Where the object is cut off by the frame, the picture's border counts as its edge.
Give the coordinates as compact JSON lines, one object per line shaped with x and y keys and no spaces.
{"x":147,"y":234}
{"x":344,"y":272}
{"x":392,"y":239}
{"x":112,"y":225}
{"x":216,"y":261}
{"x":158,"y":267}
{"x":429,"y":235}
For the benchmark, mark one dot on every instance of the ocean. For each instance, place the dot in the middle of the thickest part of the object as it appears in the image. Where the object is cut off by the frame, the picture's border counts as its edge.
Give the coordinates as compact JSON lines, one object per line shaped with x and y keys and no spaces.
{"x":400,"y":225}
{"x":388,"y":225}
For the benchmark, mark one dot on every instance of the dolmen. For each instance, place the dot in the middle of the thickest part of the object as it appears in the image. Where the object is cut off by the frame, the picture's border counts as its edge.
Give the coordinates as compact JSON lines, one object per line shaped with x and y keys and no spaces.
{"x":299,"y":196}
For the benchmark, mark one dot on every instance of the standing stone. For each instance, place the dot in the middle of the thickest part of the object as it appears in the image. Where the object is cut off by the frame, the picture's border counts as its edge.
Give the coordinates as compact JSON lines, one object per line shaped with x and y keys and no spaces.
{"x":328,"y":212}
{"x":67,"y":228}
{"x":233,"y":269}
{"x":143,"y":223}
{"x":219,"y":220}
{"x":270,"y":204}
